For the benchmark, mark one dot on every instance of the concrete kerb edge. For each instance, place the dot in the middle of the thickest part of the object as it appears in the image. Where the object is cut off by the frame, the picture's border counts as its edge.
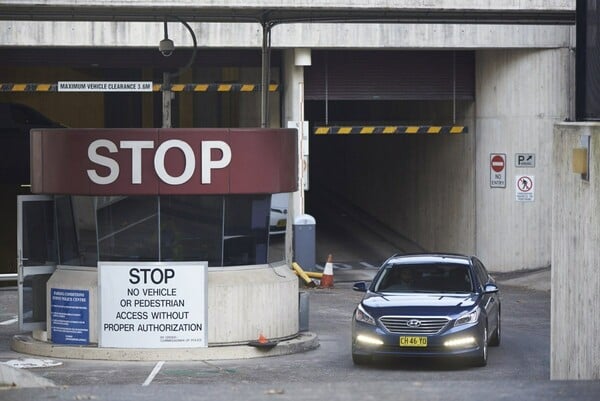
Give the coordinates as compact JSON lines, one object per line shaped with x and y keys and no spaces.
{"x":305,"y":341}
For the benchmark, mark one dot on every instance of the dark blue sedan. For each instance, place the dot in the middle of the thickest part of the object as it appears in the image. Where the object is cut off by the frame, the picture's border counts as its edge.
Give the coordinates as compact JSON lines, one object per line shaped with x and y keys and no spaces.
{"x":436,"y":305}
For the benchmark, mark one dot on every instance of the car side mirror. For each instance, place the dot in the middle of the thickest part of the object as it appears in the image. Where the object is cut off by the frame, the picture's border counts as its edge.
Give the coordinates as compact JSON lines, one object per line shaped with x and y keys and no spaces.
{"x":360,"y":286}
{"x":490,"y":289}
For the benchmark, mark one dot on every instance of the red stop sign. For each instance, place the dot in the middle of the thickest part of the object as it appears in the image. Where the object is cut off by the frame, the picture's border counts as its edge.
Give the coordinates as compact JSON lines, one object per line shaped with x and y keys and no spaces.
{"x":497,"y":163}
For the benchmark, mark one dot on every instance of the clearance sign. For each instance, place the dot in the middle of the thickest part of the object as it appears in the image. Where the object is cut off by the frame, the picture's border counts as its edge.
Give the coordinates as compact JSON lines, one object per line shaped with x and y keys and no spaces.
{"x":153,"y":304}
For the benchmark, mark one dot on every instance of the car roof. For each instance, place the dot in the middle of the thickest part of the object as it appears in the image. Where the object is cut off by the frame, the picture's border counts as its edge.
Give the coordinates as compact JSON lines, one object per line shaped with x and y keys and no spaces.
{"x":423,"y":258}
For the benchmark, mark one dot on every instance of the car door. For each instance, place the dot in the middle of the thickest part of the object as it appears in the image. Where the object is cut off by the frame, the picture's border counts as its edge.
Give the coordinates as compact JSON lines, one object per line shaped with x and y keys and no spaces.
{"x":36,"y":257}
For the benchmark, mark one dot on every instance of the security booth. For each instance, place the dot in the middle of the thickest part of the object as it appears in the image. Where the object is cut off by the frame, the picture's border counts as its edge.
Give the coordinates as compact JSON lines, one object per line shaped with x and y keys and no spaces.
{"x":155,"y":238}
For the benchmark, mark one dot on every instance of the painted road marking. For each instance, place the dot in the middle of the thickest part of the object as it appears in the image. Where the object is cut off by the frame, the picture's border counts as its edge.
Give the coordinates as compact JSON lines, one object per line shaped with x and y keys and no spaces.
{"x":29,"y":363}
{"x":368,"y":265}
{"x":153,"y":374}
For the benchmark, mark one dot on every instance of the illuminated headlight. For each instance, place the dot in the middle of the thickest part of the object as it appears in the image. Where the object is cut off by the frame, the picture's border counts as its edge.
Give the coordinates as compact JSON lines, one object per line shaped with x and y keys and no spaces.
{"x":362,"y":316}
{"x":460,"y":342}
{"x":361,"y":338}
{"x":469,"y":317}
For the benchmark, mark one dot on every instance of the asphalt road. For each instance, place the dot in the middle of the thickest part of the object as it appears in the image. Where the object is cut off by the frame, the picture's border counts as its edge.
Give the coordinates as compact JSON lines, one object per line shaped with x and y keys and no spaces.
{"x":517,"y":370}
{"x":522,"y":356}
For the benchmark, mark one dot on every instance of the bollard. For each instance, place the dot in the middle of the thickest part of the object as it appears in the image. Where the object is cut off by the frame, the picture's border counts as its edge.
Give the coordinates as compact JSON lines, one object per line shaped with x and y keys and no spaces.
{"x":304,"y":241}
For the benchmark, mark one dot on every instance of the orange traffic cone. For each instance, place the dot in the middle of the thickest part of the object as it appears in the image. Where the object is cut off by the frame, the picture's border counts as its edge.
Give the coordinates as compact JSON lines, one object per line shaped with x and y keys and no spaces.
{"x":263,"y":342}
{"x":327,"y":279}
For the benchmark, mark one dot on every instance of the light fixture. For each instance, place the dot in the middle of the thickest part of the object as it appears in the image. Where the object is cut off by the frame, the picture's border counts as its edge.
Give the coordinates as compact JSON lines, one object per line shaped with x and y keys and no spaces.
{"x":361,"y":338}
{"x":166,"y":46}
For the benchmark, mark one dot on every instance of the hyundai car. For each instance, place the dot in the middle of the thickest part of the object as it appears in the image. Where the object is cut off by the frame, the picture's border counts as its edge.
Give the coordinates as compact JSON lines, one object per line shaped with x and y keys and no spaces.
{"x":427,"y":305}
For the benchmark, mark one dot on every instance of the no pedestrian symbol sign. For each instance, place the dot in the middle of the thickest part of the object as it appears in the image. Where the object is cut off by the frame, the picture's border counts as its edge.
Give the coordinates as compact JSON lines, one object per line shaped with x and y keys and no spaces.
{"x":498,"y":170}
{"x":525,"y":188}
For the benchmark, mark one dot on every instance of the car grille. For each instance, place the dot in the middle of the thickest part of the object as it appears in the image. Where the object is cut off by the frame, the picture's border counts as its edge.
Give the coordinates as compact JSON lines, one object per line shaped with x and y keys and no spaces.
{"x":412,"y":325}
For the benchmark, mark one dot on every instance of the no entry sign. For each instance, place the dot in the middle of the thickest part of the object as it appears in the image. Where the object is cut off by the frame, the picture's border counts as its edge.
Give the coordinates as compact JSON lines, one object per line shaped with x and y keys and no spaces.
{"x":498,"y":170}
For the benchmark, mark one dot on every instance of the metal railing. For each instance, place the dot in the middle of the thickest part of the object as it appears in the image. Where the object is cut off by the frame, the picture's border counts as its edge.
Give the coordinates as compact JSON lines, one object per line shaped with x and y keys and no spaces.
{"x":9,"y":277}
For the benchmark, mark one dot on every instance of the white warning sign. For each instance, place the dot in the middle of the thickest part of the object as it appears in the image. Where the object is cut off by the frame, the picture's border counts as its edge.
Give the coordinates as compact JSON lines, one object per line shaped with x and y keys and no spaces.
{"x":525,"y":188}
{"x":153,"y":304}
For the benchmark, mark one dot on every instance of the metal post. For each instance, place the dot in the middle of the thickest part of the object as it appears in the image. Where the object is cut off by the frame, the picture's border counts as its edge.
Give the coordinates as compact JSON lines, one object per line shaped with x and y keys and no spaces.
{"x":167,"y":94}
{"x":166,"y":100}
{"x":266,"y":70}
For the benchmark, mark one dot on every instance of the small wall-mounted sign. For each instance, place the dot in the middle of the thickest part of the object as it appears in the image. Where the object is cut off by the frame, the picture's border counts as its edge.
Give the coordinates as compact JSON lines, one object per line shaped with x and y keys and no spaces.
{"x":525,"y":160}
{"x":525,"y":188}
{"x":497,"y":170}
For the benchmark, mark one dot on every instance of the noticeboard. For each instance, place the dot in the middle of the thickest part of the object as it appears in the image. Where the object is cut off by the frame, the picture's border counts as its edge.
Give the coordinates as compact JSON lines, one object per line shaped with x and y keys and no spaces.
{"x":70,"y":316}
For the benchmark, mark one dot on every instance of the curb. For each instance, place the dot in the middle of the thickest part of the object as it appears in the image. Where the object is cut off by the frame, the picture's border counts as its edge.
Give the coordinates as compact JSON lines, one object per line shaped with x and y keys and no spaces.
{"x":305,"y":341}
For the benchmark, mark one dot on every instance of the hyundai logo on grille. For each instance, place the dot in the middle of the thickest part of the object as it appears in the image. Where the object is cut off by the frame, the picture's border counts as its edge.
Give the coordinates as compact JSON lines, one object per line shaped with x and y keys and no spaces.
{"x":413,"y":323}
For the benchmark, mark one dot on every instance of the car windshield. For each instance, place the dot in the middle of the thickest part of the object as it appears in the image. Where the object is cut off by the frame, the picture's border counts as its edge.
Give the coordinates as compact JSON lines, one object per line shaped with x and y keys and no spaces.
{"x":424,"y":278}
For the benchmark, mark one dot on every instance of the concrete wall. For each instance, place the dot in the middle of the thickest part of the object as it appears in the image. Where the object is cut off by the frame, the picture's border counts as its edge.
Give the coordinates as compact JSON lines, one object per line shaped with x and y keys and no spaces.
{"x":404,"y":35}
{"x":419,"y":186}
{"x":436,"y":190}
{"x":393,"y":36}
{"x":430,"y":189}
{"x":575,"y":351}
{"x":520,"y":95}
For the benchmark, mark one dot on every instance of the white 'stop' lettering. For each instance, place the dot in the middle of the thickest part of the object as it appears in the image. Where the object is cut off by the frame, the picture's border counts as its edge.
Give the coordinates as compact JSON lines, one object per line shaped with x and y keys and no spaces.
{"x":138,"y":147}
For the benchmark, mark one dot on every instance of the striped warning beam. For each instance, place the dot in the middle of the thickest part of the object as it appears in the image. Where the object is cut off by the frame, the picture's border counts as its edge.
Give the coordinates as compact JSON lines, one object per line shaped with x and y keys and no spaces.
{"x":392,"y":129}
{"x":215,"y":87}
{"x":28,"y":87}
{"x":212,"y":87}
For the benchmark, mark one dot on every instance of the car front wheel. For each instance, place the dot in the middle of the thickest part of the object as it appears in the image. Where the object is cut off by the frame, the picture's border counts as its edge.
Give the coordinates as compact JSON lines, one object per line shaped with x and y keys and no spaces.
{"x":495,"y":338}
{"x":481,"y":359}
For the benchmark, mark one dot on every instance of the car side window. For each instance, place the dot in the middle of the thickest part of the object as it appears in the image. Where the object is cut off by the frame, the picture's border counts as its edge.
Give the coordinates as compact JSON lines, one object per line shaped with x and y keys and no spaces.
{"x":482,"y":275}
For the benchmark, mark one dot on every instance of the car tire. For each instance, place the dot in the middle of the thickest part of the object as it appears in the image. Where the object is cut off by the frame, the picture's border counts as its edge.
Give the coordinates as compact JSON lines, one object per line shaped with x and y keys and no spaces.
{"x":495,"y":338}
{"x":360,"y":359}
{"x":481,"y":359}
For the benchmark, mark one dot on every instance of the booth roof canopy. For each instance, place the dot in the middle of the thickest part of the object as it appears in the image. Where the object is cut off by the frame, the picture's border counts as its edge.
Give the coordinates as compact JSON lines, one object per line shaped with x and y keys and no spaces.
{"x":501,"y":12}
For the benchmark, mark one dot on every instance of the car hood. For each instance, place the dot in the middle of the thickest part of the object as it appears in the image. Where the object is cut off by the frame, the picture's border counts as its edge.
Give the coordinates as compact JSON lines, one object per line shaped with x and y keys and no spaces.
{"x":419,"y":300}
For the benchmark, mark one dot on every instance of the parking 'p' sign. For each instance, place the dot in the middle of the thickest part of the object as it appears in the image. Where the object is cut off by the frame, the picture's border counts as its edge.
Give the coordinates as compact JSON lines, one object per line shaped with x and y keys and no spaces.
{"x":498,"y":170}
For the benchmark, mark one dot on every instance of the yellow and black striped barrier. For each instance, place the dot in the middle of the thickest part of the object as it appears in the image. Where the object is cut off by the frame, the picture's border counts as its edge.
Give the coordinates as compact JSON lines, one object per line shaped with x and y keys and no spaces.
{"x":391,"y":129}
{"x":28,"y":87}
{"x":198,"y":88}
{"x":214,"y":87}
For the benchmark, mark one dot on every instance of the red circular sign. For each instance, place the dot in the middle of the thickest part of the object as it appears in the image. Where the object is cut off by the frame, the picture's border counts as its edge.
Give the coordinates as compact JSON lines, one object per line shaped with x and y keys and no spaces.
{"x":497,"y":163}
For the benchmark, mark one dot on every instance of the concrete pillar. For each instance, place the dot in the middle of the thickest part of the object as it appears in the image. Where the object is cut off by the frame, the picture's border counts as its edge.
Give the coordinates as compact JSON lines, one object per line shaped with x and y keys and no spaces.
{"x":293,"y":115}
{"x":521,"y":94}
{"x":575,"y":351}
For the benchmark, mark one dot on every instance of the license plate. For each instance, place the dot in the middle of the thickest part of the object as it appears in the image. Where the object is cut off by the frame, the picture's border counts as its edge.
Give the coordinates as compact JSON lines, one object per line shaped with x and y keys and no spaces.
{"x":281,"y":223}
{"x":413,"y":341}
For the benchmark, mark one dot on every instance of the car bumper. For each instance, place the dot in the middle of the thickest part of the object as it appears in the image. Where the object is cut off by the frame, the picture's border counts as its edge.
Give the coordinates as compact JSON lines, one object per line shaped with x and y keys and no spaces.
{"x":450,"y":343}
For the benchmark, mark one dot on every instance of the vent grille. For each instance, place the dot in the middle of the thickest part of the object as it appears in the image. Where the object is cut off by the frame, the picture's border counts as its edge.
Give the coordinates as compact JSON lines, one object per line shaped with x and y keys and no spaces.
{"x":412,"y":325}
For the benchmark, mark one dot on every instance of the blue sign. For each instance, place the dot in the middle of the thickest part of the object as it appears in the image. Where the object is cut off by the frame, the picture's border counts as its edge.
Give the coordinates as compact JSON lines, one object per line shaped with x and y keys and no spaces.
{"x":70,"y":316}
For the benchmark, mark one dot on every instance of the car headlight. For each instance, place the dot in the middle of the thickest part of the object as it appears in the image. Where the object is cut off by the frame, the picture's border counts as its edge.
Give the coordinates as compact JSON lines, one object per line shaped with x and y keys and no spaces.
{"x":467,"y":318}
{"x":362,"y":316}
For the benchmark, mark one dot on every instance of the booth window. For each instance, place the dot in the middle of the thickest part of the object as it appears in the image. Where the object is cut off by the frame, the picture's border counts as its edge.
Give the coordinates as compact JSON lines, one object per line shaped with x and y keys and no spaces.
{"x":127,"y":228}
{"x":246,"y":230}
{"x":223,"y":230}
{"x":191,"y":228}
